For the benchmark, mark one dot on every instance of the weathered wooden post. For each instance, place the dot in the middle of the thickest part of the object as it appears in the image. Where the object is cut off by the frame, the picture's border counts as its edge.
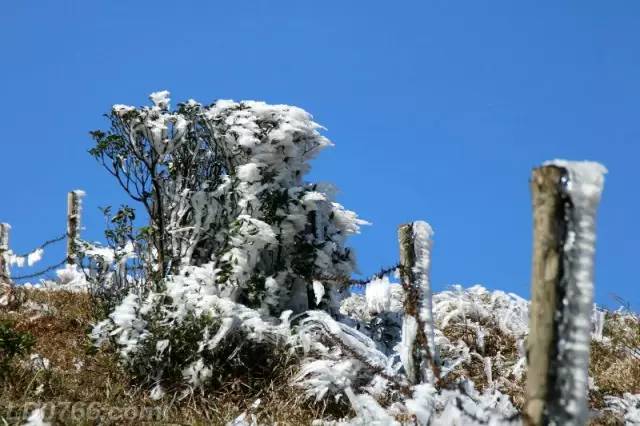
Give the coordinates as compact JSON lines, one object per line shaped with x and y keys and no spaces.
{"x":418,"y":353}
{"x":549,"y":234}
{"x":565,"y":197}
{"x":6,"y":287}
{"x":4,"y":249}
{"x":73,"y":225}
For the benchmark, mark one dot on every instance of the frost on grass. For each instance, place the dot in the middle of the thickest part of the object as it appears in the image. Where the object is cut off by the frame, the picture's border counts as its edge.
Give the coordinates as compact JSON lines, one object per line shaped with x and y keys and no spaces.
{"x":342,"y":362}
{"x":626,"y":408}
{"x":480,"y":335}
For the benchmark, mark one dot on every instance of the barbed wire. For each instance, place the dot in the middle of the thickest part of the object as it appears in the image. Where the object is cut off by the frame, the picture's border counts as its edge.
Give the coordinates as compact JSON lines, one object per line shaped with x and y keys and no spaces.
{"x":350,"y":281}
{"x":43,"y":245}
{"x":334,"y":278}
{"x":40,"y":273}
{"x":47,"y":269}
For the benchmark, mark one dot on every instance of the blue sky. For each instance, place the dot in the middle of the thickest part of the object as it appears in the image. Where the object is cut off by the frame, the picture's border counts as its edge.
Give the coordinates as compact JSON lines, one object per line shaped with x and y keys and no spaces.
{"x":438,"y":110}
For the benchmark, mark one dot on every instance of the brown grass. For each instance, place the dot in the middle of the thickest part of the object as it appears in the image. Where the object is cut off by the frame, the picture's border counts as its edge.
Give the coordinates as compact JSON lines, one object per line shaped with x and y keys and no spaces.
{"x":496,"y":344}
{"x":613,"y":366}
{"x":615,"y":370}
{"x":62,"y":338}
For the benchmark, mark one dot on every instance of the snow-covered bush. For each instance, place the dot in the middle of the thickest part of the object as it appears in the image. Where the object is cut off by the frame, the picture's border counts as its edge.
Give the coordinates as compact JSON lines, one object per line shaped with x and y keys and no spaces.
{"x":237,"y":240}
{"x":189,"y":334}
{"x":224,"y":184}
{"x":110,"y":272}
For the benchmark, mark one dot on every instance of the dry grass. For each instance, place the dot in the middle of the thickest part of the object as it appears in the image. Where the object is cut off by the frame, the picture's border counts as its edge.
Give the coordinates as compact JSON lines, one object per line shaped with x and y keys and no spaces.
{"x":79,"y":374}
{"x":614,"y":364}
{"x":497,"y":345}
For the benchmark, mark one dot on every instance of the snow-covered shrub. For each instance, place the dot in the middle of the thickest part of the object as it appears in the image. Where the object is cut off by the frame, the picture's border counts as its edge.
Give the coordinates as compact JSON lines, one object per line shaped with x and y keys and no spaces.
{"x":237,"y":237}
{"x":248,"y":264}
{"x":224,"y":183}
{"x":109,"y":275}
{"x":189,"y":334}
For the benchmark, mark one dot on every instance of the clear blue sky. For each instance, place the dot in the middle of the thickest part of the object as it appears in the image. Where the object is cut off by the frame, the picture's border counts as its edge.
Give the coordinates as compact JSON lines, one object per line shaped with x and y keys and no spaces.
{"x":438,"y":109}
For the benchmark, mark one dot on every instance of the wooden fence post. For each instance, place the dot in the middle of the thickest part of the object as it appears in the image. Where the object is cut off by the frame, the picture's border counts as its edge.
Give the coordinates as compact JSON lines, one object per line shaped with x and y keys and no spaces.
{"x":73,"y":225}
{"x":6,"y":287}
{"x":549,"y":230}
{"x":418,"y":354}
{"x":4,"y":248}
{"x":565,"y":196}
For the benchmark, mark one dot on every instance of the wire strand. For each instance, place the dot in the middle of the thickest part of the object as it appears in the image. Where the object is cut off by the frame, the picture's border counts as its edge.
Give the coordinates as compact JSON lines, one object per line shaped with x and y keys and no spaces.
{"x":40,"y":273}
{"x":45,"y":244}
{"x":346,"y":280}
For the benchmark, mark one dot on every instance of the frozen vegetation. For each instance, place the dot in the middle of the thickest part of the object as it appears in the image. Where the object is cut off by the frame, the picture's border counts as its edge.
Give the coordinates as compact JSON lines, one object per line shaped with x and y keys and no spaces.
{"x":245,"y":267}
{"x":354,"y":358}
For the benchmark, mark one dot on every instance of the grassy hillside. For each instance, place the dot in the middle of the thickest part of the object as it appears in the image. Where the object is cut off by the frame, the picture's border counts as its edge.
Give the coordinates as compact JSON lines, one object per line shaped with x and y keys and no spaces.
{"x":63,"y":367}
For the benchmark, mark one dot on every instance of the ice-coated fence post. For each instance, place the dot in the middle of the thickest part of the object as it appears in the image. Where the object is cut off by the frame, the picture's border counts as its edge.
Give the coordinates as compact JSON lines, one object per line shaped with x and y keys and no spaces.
{"x":73,"y":225}
{"x":418,"y":353}
{"x":5,"y":277}
{"x":4,"y":249}
{"x":549,"y":232}
{"x":565,"y":196}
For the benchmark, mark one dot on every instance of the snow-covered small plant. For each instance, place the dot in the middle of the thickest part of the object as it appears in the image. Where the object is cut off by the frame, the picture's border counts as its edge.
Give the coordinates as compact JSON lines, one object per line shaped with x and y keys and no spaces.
{"x":189,"y":336}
